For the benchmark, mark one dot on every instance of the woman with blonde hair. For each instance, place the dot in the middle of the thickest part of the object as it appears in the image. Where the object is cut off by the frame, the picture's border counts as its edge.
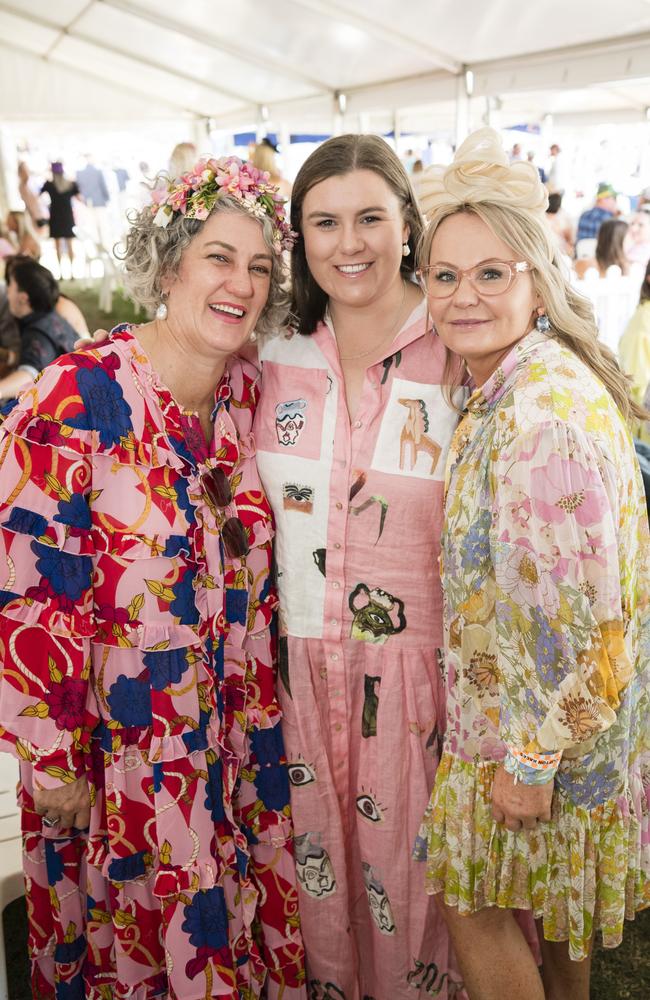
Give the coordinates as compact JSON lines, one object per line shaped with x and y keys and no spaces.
{"x":265,"y":158}
{"x":540,"y":799}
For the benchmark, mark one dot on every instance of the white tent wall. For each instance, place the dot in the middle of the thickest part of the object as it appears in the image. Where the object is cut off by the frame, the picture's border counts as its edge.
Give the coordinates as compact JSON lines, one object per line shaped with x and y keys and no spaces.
{"x":118,"y":64}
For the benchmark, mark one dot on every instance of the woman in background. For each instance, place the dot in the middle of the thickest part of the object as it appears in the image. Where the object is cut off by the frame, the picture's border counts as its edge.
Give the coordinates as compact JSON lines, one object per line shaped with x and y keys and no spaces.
{"x":61,"y":190}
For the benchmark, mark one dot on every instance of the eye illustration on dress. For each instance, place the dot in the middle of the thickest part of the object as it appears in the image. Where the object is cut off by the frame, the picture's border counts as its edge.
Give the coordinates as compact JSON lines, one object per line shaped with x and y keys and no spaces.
{"x":300,"y":773}
{"x":296,"y":496}
{"x":369,"y":808}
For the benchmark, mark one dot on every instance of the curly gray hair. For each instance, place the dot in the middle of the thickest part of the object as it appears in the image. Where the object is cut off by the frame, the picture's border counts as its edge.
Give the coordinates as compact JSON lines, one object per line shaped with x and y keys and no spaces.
{"x":152,"y":253}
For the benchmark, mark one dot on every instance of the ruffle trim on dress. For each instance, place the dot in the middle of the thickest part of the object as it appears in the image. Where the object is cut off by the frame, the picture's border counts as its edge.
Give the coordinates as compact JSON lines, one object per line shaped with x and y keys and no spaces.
{"x":73,"y":625}
{"x":581,"y":872}
{"x":46,"y":430}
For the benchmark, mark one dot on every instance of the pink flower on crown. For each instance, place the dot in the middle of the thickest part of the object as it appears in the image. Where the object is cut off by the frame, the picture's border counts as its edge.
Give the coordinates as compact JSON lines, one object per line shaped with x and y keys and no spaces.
{"x":199,"y":188}
{"x":178,"y":200}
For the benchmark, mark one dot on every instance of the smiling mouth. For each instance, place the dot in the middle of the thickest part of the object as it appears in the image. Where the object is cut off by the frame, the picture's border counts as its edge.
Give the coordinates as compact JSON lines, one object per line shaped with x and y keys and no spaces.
{"x":224,"y":310}
{"x":352,"y":268}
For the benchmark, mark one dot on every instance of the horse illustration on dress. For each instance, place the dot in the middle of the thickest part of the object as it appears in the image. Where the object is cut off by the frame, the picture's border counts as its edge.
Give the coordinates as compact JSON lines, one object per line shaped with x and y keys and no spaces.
{"x":414,"y":435}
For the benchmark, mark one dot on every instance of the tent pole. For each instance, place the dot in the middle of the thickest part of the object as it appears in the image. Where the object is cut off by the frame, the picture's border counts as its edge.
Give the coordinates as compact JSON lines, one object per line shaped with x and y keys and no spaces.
{"x":464,"y":89}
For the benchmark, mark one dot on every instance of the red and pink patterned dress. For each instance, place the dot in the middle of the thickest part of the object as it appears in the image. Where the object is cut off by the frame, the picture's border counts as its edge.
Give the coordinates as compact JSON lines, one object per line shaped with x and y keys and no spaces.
{"x":136,"y":653}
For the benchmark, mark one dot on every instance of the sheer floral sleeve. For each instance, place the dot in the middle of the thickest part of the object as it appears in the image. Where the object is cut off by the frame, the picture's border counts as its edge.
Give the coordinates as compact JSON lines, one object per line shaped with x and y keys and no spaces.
{"x":561,"y":623}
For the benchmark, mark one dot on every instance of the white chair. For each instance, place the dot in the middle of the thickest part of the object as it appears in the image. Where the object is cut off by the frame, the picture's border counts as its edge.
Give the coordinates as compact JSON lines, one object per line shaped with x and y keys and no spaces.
{"x":11,"y":856}
{"x":586,"y":248}
{"x":614,"y":299}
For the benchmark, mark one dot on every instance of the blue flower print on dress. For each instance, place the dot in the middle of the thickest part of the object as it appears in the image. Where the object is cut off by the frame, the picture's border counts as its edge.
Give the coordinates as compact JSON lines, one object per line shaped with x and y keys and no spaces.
{"x":198,"y":738}
{"x":206,"y":919}
{"x":176,"y":544}
{"x":236,"y":606}
{"x":592,"y":787}
{"x":184,"y":606}
{"x":183,"y":501}
{"x":126,"y":869}
{"x":214,"y":790}
{"x":53,"y":863}
{"x":272,"y":784}
{"x":549,"y":649}
{"x":74,"y":512}
{"x":267,"y":745}
{"x":129,"y":700}
{"x":67,"y":574}
{"x":26,"y":522}
{"x":476,"y":548}
{"x":72,"y":990}
{"x":158,"y":775}
{"x":67,"y":952}
{"x":105,"y":409}
{"x":165,"y":666}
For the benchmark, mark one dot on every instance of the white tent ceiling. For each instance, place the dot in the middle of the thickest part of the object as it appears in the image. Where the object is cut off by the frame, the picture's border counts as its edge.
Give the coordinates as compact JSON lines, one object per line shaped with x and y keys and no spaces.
{"x":132,"y":60}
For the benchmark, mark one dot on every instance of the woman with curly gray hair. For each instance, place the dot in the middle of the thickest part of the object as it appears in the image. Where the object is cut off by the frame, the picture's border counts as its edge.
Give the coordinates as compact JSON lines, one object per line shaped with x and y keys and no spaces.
{"x":136,"y":542}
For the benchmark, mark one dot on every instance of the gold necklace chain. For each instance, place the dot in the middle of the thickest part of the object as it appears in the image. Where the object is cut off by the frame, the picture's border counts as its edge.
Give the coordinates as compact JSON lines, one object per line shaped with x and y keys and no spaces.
{"x":375,"y":347}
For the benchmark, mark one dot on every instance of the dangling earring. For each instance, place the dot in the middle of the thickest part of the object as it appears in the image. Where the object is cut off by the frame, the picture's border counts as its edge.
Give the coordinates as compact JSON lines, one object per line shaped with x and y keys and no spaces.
{"x":405,"y":249}
{"x":161,"y":311}
{"x":253,"y":337}
{"x":542,"y":323}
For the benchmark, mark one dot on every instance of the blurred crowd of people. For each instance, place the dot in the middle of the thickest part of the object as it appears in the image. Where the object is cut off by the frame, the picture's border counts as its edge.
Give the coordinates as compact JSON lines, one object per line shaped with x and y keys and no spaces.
{"x":606,"y":246}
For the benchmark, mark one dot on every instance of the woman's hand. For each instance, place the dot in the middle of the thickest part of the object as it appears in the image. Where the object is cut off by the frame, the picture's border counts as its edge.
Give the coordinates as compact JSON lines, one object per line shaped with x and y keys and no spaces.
{"x":98,"y":337}
{"x":520,"y":806}
{"x":68,"y":805}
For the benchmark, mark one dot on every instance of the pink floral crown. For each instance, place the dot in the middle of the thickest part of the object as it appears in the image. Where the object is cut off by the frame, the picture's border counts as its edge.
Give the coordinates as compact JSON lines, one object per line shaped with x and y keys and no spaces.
{"x":195,"y":194}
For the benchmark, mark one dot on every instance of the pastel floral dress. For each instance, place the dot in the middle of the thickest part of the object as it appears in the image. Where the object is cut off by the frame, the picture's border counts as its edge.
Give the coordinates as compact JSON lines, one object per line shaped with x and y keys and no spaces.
{"x":545,"y":568}
{"x":136,"y":653}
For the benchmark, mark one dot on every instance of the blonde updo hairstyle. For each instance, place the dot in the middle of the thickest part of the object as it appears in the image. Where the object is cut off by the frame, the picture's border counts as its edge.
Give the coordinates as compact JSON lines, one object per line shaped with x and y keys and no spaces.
{"x":153,"y":253}
{"x":511,"y":200}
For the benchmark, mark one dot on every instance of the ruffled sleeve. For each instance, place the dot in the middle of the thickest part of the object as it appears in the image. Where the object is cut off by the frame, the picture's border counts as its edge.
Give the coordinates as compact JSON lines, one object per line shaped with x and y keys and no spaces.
{"x":47,"y":707}
{"x":563,"y":654}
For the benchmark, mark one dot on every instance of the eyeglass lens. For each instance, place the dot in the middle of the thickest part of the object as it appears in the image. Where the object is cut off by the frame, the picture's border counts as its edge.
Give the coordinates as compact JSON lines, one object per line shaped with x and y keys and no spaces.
{"x":489,"y":279}
{"x":217,"y":487}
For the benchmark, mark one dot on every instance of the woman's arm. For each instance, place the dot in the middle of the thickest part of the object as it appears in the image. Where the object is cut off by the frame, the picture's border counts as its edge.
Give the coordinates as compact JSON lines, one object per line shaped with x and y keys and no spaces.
{"x":561,"y":626}
{"x":14,"y":383}
{"x":47,"y":707}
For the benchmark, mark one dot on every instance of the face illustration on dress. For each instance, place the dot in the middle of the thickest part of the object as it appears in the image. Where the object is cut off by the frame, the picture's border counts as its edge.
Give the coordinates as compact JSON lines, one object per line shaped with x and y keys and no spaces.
{"x":313,"y":866}
{"x":380,"y":908}
{"x":377,"y":614}
{"x":290,"y":419}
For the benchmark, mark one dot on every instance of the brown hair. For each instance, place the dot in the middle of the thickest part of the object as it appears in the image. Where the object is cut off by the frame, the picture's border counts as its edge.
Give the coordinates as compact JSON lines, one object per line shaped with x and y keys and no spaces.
{"x":609,"y":245}
{"x":336,"y":157}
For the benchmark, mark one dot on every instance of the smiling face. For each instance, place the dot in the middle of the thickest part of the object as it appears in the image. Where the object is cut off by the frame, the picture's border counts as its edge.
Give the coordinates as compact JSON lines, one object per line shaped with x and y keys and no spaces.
{"x":222,"y":285}
{"x":639,"y":227}
{"x":353,"y":230}
{"x":481,"y":328}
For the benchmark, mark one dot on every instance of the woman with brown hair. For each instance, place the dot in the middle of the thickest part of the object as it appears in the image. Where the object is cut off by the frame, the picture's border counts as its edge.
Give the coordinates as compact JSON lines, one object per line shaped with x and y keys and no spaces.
{"x":610,"y":250}
{"x":352,"y":432}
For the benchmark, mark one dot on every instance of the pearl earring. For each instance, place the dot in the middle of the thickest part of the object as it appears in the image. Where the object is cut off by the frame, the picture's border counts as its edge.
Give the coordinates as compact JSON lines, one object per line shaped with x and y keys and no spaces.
{"x":405,"y":249}
{"x":161,"y":311}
